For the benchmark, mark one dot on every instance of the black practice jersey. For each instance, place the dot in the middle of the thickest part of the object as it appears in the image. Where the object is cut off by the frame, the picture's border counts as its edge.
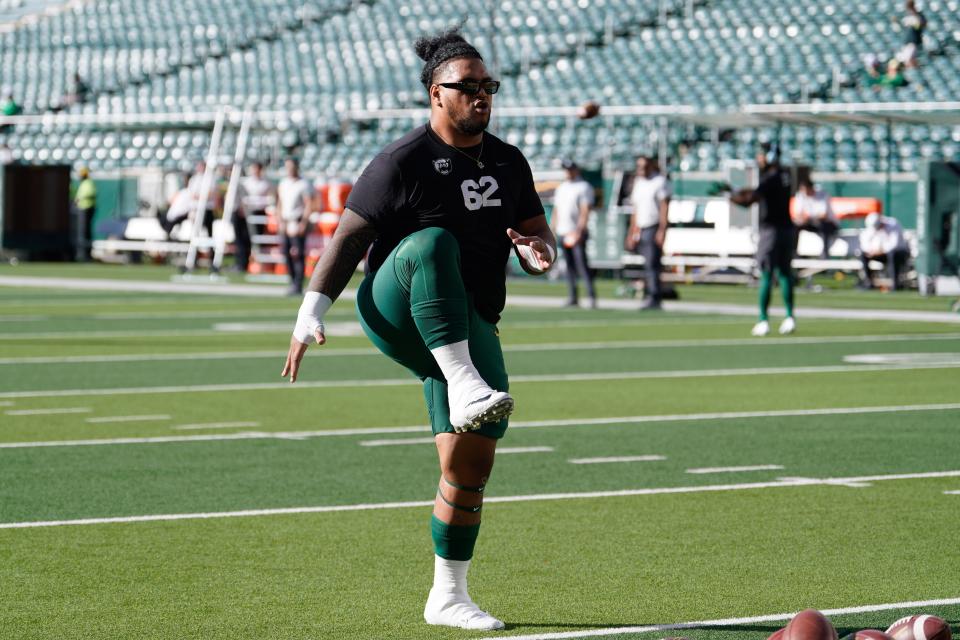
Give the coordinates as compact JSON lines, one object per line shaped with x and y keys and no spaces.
{"x":419,"y":181}
{"x":774,"y":200}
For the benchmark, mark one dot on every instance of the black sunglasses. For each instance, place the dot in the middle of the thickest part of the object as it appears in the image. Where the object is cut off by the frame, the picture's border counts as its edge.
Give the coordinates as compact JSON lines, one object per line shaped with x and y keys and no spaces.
{"x":472,"y":87}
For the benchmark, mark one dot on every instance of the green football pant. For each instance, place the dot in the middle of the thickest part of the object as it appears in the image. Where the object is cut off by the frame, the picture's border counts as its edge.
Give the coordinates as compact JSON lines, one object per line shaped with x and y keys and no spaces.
{"x":415,"y":302}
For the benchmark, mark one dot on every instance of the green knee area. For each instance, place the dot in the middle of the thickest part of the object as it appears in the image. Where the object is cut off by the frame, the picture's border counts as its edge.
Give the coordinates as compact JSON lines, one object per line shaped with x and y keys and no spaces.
{"x":427,"y":265}
{"x":453,"y":542}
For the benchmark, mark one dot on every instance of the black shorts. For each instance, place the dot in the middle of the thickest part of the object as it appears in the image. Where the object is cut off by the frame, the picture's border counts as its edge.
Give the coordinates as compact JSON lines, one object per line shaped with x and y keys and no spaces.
{"x":776,"y":248}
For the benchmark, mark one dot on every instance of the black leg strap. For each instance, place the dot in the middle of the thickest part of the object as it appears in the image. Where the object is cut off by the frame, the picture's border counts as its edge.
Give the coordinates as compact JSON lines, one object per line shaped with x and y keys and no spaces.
{"x":459,"y":507}
{"x":463,"y":487}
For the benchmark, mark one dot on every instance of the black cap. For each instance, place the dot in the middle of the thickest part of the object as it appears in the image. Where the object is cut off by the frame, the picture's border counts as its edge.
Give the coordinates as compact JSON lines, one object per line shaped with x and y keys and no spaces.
{"x":568,"y":164}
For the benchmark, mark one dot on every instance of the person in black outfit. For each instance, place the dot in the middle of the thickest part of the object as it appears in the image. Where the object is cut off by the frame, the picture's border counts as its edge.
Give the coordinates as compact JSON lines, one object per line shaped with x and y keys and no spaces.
{"x":778,"y":236}
{"x":444,"y":206}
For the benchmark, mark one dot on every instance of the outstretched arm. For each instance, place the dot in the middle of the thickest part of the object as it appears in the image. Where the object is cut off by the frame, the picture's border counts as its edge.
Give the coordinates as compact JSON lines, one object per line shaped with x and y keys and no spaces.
{"x":332,"y":273}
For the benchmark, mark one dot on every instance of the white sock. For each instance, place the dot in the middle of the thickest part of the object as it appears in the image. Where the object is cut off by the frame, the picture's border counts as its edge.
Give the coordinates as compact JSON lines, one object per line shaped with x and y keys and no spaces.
{"x":450,"y":576}
{"x":463,"y":379}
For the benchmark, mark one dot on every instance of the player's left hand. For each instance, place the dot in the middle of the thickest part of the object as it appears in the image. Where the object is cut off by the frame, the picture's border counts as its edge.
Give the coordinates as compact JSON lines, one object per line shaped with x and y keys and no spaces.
{"x":538,"y":249}
{"x":660,"y":237}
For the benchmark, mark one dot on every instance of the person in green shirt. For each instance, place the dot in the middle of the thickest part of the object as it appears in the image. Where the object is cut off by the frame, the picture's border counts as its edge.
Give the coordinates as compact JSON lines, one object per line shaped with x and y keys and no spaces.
{"x":894,"y":77}
{"x":86,"y":201}
{"x":9,"y":107}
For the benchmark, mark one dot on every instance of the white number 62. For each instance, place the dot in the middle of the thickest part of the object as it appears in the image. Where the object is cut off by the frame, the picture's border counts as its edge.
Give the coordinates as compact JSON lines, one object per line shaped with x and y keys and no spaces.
{"x":473,"y":199}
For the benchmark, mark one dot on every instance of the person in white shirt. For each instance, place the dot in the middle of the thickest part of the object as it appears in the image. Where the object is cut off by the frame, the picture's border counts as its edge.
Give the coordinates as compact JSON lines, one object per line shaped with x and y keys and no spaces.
{"x":814,"y":213}
{"x":213,"y":201}
{"x":258,"y":194}
{"x":254,"y":195}
{"x":882,"y":240}
{"x":650,"y":199}
{"x":572,"y":202}
{"x":294,"y":194}
{"x":181,"y":206}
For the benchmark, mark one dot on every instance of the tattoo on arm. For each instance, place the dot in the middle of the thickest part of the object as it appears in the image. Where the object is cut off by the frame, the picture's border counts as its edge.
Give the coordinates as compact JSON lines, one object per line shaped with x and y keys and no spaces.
{"x":341,"y":257}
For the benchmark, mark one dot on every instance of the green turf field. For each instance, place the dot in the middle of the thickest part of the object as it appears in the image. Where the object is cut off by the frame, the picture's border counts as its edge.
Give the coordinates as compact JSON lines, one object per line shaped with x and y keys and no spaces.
{"x":158,"y":479}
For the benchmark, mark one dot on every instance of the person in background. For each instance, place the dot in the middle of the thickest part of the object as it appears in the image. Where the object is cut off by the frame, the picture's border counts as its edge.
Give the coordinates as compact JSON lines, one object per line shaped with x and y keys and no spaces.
{"x":872,"y":70}
{"x":86,"y":202}
{"x":238,"y":219}
{"x":882,"y":240}
{"x":778,"y":236}
{"x":894,"y":77}
{"x":181,"y":207}
{"x":258,"y":194}
{"x":914,"y":23}
{"x":294,"y":195}
{"x":572,"y":202}
{"x":650,"y":199}
{"x":195,"y":185}
{"x":9,"y":107}
{"x":814,"y":213}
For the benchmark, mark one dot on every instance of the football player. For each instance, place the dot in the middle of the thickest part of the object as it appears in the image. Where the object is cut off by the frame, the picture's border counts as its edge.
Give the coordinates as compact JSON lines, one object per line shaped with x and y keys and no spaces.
{"x":442,"y":207}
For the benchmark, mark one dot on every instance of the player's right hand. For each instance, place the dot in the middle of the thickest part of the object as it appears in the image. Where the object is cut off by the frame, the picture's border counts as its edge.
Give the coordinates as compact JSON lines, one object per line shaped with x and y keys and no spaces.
{"x":295,"y":354}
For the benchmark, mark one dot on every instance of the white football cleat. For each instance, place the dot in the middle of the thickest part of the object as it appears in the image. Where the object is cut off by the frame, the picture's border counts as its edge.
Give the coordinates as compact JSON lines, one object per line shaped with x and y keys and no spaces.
{"x":458,"y":610}
{"x":788,"y":326}
{"x":486,"y":406}
{"x":760,"y":329}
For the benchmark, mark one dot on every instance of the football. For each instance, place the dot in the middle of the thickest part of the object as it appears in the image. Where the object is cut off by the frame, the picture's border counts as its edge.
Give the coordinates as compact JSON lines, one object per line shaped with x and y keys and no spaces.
{"x":588,"y":110}
{"x":809,"y":624}
{"x":868,"y":634}
{"x":920,"y":628}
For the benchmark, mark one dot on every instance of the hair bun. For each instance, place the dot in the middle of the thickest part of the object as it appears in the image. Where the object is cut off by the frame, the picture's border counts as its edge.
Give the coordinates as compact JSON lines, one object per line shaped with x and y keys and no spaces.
{"x":426,"y":47}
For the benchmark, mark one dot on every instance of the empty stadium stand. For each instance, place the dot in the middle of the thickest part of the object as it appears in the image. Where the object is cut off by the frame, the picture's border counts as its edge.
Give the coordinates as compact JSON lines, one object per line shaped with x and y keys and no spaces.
{"x":319,"y":60}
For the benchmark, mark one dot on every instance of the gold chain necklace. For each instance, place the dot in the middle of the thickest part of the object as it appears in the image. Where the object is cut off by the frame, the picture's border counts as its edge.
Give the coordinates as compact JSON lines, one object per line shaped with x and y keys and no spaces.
{"x":462,"y":152}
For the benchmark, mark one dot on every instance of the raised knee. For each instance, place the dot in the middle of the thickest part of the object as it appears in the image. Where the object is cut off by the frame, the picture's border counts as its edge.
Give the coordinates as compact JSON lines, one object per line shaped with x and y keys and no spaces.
{"x":433,"y":242}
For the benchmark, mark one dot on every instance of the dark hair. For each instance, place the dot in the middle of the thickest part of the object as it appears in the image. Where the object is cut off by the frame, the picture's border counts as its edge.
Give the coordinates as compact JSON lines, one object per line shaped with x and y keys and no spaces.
{"x":438,"y":49}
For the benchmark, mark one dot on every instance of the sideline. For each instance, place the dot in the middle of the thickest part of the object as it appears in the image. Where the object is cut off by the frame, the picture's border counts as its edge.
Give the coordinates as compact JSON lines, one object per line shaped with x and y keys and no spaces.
{"x":100,"y":284}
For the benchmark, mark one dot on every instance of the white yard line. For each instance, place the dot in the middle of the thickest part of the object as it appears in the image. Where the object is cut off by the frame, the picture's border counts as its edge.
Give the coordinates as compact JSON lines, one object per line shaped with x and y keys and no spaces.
{"x":728,"y":622}
{"x":396,"y":441}
{"x":46,"y":412}
{"x":216,"y":425}
{"x":23,"y":318}
{"x":143,"y":418}
{"x":177,"y":357}
{"x":503,"y":450}
{"x":756,"y":467}
{"x":529,"y":424}
{"x":6,"y":403}
{"x":650,"y":458}
{"x":798,"y":482}
{"x":531,"y":347}
{"x":420,"y":441}
{"x":951,"y":493}
{"x":79,"y":335}
{"x":410,"y":381}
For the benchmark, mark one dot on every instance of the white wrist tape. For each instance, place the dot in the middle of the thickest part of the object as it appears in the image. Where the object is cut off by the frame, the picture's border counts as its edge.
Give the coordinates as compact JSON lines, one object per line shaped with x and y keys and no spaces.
{"x":530,"y":257}
{"x":310,"y":317}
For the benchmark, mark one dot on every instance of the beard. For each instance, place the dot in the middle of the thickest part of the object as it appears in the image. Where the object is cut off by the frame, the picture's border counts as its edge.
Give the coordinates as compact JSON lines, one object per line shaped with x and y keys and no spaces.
{"x":471,"y":124}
